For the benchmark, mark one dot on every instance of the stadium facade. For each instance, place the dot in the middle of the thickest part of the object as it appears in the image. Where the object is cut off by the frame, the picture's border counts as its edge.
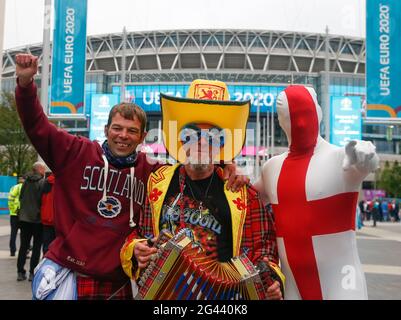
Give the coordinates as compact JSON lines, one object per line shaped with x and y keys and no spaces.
{"x":256,"y":64}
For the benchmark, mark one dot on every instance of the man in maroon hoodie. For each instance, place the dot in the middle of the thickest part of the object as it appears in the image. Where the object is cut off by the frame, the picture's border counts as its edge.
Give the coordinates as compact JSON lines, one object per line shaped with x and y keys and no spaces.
{"x":99,"y":191}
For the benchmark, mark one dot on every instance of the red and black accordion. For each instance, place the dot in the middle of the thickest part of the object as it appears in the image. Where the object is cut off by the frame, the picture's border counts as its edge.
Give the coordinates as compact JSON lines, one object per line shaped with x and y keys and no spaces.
{"x":182,"y":271}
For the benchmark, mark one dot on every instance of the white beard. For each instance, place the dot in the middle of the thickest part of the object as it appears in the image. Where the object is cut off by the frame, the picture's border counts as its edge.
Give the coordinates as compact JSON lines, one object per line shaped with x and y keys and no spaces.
{"x":199,"y":167}
{"x":199,"y":159}
{"x":203,"y":156}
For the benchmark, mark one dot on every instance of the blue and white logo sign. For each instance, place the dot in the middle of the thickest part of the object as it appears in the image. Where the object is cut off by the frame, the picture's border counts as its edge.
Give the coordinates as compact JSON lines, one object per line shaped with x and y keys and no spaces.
{"x":110,"y":208}
{"x":346,"y":122}
{"x":100,"y":107}
{"x":6,"y":183}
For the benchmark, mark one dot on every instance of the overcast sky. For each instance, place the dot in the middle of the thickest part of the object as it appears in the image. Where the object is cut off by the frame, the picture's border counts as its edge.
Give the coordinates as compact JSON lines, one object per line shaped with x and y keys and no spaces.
{"x":24,"y":18}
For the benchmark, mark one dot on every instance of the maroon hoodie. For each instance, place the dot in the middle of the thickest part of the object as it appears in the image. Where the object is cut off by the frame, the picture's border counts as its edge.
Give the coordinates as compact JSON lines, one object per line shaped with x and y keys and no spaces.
{"x":90,"y":232}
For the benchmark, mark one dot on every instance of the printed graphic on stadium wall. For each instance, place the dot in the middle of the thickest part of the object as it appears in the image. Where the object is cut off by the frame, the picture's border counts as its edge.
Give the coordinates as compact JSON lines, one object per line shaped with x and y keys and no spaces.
{"x":148,"y":96}
{"x":383,"y":63}
{"x":5,"y":185}
{"x":68,"y":59}
{"x":101,"y":106}
{"x":346,"y":122}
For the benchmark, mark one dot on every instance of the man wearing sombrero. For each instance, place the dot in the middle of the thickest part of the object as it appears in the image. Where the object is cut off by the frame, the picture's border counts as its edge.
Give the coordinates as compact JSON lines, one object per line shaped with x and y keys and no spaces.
{"x":202,"y":130}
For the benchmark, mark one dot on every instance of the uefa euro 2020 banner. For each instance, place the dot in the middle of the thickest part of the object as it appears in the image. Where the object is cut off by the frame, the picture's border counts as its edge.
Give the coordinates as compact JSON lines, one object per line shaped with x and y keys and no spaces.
{"x":69,"y":58}
{"x":383,"y":58}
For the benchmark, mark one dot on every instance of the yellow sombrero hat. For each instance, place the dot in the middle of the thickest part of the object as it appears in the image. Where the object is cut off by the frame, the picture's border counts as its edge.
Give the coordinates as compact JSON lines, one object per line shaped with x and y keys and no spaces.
{"x":207,"y":102}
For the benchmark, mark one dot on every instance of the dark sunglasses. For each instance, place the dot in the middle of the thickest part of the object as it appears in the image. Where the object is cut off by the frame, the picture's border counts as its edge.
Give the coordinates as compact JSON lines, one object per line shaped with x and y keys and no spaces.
{"x":192,"y":134}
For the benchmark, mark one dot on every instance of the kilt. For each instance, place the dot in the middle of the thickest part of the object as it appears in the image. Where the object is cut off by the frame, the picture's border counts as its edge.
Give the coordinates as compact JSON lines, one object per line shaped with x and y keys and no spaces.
{"x":92,"y":289}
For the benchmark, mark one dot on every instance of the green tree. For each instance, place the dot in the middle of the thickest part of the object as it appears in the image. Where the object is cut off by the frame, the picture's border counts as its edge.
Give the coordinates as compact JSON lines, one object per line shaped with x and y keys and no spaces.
{"x":390,"y":179}
{"x":396,"y":179}
{"x":16,"y":152}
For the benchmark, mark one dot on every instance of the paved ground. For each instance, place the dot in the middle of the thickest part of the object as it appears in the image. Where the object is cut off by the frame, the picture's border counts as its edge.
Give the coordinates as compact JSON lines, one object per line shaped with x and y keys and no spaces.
{"x":379,"y":250}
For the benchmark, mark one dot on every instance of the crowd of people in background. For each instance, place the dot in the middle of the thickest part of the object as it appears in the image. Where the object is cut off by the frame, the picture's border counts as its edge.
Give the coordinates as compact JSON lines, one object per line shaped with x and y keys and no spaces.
{"x":382,"y":210}
{"x":31,"y":211}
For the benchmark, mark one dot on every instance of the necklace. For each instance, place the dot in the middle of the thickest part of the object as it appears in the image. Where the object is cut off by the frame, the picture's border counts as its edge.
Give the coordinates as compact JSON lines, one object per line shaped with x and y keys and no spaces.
{"x":204,"y":197}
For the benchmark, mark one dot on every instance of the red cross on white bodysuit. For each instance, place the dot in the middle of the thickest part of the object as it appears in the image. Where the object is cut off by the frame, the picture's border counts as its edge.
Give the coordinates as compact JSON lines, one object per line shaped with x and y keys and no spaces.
{"x":298,"y":220}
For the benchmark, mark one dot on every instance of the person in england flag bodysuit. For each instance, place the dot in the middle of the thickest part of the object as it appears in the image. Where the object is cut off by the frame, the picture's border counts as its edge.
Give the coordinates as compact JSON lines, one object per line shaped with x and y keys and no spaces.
{"x":313,"y":189}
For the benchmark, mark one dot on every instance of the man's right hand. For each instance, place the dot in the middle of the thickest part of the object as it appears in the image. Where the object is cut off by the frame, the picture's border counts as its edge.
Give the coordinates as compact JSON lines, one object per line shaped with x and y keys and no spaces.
{"x":26,"y":68}
{"x":143,"y":253}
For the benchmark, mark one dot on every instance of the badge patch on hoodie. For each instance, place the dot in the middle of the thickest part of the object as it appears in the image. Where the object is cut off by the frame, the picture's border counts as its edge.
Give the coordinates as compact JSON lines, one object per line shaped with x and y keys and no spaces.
{"x":110,"y":208}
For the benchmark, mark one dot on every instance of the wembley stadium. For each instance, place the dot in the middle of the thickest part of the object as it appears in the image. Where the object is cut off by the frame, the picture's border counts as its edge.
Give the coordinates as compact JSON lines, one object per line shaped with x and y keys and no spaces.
{"x":256,"y":65}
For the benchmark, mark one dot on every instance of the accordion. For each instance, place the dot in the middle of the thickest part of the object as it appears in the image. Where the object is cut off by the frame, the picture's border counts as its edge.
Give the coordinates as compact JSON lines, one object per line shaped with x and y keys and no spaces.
{"x":180,"y":270}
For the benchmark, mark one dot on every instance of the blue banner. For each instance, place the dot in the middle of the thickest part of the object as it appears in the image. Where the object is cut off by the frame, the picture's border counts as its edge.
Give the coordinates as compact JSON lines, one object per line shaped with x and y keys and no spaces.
{"x":148,"y":96}
{"x":69,"y":58}
{"x":5,"y":185}
{"x":100,"y":107}
{"x":383,"y":62}
{"x":346,"y":121}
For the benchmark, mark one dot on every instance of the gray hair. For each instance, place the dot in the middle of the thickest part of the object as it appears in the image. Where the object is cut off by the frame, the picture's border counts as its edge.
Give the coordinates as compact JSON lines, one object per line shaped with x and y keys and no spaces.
{"x":38,"y":165}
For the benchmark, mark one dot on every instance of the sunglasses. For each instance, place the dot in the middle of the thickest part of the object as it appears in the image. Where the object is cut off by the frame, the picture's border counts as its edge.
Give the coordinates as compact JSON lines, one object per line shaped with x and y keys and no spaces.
{"x":192,"y":134}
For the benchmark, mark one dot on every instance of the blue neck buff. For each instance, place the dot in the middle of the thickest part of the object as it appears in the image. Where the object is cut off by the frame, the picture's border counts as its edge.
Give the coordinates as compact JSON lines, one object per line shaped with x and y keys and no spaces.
{"x":119,"y":162}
